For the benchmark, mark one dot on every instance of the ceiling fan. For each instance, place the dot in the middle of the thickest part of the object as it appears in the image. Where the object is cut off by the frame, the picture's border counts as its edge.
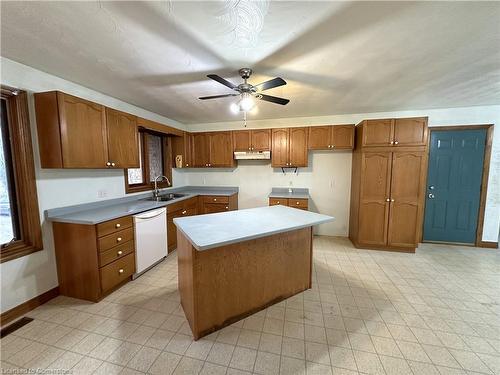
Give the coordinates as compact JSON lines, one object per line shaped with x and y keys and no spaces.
{"x":248,"y":92}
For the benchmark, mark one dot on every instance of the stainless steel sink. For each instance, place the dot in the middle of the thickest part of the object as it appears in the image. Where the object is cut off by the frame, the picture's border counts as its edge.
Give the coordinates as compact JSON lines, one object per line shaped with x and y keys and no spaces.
{"x":166,"y":197}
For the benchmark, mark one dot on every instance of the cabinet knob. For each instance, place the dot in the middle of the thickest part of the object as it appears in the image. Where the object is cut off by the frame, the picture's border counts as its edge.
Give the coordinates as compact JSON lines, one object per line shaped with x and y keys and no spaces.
{"x":118,"y":239}
{"x":387,"y":200}
{"x":296,"y":202}
{"x":120,"y":271}
{"x":227,"y":208}
{"x":118,"y":225}
{"x":396,"y":142}
{"x":187,"y":165}
{"x":249,"y":148}
{"x":392,"y":200}
{"x":120,"y":252}
{"x":184,"y":212}
{"x":113,"y":164}
{"x":278,"y":202}
{"x":392,"y":142}
{"x":108,"y":164}
{"x":329,"y":146}
{"x":215,"y":199}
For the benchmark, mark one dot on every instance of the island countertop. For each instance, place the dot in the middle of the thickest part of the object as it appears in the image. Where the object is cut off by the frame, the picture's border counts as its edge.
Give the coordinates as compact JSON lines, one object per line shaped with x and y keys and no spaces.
{"x":214,"y":230}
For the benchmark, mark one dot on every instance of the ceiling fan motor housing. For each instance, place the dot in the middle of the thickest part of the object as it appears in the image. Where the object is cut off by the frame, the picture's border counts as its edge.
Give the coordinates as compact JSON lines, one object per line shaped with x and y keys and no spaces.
{"x":245,"y":73}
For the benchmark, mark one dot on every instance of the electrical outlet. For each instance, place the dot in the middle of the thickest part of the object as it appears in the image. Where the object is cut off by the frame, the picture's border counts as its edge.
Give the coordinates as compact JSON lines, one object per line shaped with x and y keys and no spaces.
{"x":102,"y":194}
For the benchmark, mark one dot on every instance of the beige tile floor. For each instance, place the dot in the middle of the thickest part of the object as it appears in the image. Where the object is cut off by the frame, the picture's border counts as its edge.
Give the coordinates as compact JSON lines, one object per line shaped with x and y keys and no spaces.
{"x":433,"y":312}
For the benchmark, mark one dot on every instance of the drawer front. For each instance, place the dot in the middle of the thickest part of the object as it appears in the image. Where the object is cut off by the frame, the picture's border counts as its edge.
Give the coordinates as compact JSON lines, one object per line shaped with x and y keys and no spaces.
{"x":277,"y":201}
{"x":112,"y":226}
{"x":298,"y":203}
{"x":116,"y":272}
{"x":215,"y":199}
{"x":211,"y":208}
{"x":117,"y":252}
{"x":115,"y":239}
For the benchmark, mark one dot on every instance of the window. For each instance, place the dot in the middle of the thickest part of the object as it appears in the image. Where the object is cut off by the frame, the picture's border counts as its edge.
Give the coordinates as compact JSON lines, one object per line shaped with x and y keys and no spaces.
{"x":20,"y":231}
{"x":155,"y":160}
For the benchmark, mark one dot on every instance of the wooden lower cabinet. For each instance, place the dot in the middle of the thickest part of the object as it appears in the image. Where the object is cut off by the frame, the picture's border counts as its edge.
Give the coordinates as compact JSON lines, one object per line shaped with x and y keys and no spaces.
{"x":300,"y":203}
{"x":203,"y":204}
{"x":93,"y":260}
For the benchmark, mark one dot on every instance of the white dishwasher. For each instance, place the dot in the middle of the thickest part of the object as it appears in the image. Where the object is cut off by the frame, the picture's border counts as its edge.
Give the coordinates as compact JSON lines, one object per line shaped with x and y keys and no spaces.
{"x":150,"y":229}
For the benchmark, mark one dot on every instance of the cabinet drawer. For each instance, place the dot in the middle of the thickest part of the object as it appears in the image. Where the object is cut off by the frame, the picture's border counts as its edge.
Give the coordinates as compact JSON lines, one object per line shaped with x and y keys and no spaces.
{"x":277,"y":201}
{"x":111,"y":226}
{"x":298,"y":203}
{"x":215,"y":199}
{"x":117,"y":252}
{"x":116,"y":272}
{"x":117,"y":238}
{"x":211,"y":208}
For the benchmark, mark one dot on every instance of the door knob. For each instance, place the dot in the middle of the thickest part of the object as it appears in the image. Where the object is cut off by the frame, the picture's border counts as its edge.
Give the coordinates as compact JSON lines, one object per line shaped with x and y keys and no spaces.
{"x":431,"y":196}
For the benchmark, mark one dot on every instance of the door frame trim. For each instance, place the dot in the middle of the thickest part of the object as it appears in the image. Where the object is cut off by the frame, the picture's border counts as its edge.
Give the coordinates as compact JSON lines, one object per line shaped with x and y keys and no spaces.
{"x":484,"y":179}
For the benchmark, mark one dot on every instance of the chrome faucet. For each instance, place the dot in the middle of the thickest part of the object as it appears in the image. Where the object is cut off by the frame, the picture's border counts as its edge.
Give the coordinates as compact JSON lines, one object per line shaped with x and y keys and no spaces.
{"x":156,"y":191}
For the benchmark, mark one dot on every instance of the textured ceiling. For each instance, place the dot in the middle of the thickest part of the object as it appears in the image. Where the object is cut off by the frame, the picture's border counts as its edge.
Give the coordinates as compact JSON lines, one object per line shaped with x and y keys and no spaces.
{"x":337,"y":57}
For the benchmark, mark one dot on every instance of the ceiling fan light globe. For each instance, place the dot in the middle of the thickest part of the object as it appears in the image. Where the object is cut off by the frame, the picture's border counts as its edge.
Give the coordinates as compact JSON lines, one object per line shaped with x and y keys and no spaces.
{"x":247,"y":103}
{"x":235,"y":108}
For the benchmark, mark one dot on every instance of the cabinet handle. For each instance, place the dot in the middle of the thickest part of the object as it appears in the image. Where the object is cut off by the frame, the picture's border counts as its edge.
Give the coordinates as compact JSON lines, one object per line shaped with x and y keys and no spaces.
{"x":120,"y":271}
{"x":118,"y":225}
{"x":396,"y":142}
{"x":113,"y":164}
{"x":184,"y":212}
{"x":108,"y":164}
{"x":387,"y":200}
{"x":120,"y":252}
{"x":118,"y":239}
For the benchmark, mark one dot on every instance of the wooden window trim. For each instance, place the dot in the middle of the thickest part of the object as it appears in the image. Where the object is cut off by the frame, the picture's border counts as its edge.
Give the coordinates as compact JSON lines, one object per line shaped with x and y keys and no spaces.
{"x":24,"y":177}
{"x":167,"y":165}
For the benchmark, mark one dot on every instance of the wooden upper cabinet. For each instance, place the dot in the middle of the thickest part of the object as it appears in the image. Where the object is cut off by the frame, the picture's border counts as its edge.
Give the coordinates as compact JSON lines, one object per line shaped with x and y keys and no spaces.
{"x":221,"y":149}
{"x":123,"y":139}
{"x":298,"y":147}
{"x":252,"y":140}
{"x":241,"y":140}
{"x":410,"y":131}
{"x":331,"y":137}
{"x":320,"y":138}
{"x":342,"y":137}
{"x":201,"y":150}
{"x":77,"y":133}
{"x":280,"y":147}
{"x":395,"y":132}
{"x":182,"y":145}
{"x":378,"y":132}
{"x":261,"y":140}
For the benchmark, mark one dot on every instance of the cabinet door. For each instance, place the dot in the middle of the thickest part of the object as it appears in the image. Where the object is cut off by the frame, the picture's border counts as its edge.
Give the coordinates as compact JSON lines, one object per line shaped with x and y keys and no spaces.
{"x":172,"y":229}
{"x":410,"y":131}
{"x":241,"y":140}
{"x":279,"y":153}
{"x":261,"y":140}
{"x":343,"y":137}
{"x":377,"y":132}
{"x":320,"y":138}
{"x":406,"y":198}
{"x":83,"y":133}
{"x":201,"y":150}
{"x":374,"y":193}
{"x":182,"y":145}
{"x":123,"y":139}
{"x":221,"y":149}
{"x":298,"y":147}
{"x":211,"y":208}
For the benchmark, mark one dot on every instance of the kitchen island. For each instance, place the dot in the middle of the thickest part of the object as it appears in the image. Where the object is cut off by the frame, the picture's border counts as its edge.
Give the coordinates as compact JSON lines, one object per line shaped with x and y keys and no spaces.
{"x":233,"y":264}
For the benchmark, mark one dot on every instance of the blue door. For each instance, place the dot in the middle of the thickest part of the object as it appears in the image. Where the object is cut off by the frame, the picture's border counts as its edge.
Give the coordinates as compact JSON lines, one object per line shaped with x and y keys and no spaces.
{"x":454,"y":185}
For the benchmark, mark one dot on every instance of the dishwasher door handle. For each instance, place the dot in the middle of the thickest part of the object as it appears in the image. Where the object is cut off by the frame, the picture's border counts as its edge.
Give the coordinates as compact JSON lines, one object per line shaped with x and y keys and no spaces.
{"x":150,"y":215}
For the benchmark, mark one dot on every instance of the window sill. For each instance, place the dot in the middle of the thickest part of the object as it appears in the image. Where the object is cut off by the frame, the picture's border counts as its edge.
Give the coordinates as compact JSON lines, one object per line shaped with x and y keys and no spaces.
{"x":17,"y":250}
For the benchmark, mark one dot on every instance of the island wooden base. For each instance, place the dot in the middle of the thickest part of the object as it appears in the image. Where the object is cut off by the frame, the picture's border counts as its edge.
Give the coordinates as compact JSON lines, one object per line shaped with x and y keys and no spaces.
{"x":223,"y":285}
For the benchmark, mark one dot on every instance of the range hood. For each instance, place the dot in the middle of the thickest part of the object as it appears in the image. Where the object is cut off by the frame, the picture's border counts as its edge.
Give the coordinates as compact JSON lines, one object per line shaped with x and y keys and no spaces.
{"x":252,"y":155}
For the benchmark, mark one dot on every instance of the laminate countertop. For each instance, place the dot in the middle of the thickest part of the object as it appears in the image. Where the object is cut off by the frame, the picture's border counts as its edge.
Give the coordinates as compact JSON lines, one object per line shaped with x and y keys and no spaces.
{"x":214,"y":230}
{"x":98,"y":212}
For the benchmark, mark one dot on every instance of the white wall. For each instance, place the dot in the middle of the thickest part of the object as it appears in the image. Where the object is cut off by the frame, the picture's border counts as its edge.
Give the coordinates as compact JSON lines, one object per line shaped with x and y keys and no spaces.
{"x":29,"y":276}
{"x":333,"y":199}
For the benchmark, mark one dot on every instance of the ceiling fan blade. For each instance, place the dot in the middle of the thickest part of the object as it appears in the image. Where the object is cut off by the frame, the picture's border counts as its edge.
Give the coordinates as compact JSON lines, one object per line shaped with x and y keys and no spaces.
{"x":219,"y":79}
{"x":217,"y":96}
{"x":272,"y":83}
{"x":273,"y":99}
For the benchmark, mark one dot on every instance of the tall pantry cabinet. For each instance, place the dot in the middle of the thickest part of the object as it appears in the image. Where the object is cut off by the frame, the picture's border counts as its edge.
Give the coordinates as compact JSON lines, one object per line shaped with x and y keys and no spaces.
{"x":388,"y":175}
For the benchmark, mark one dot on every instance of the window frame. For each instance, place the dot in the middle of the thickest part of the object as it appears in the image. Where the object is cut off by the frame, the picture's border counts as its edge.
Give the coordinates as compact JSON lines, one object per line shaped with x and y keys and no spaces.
{"x":166,"y":148}
{"x":24,"y":177}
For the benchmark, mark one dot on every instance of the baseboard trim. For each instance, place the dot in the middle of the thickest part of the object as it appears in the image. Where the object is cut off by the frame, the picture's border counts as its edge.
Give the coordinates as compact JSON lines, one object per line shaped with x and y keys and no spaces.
{"x":27,"y":306}
{"x":487,"y":244}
